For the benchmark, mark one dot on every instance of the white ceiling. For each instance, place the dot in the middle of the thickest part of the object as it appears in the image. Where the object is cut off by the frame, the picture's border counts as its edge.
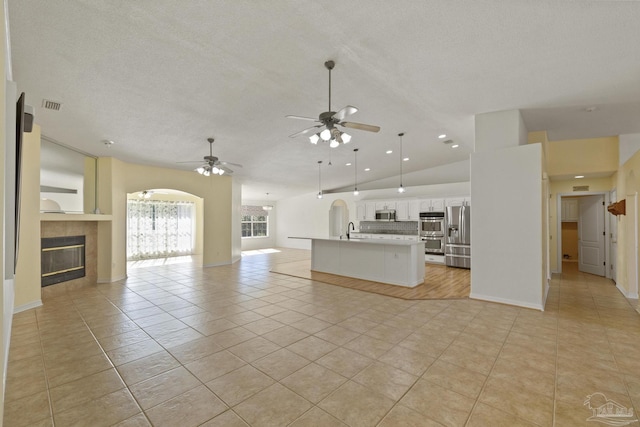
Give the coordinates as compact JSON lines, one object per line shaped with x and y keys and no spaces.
{"x":160,"y":76}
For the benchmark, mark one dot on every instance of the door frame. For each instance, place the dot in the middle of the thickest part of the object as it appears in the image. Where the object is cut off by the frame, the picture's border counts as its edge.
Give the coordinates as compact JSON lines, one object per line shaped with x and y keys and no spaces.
{"x":607,"y":241}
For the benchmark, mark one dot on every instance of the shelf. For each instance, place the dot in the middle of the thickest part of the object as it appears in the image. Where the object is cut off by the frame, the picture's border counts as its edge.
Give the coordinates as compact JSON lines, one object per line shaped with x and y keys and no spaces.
{"x":74,"y":217}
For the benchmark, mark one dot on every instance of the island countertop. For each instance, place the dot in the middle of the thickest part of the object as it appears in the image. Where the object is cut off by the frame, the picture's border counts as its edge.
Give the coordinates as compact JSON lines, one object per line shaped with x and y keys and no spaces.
{"x":395,"y":262}
{"x":364,"y":241}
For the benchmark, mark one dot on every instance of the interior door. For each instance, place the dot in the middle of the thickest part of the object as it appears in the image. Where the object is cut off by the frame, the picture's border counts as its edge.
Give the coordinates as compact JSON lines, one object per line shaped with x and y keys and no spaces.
{"x":613,"y":229}
{"x":591,"y":254}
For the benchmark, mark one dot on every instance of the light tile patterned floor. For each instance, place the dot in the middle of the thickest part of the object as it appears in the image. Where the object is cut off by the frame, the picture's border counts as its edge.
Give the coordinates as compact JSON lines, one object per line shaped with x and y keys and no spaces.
{"x":237,"y":345}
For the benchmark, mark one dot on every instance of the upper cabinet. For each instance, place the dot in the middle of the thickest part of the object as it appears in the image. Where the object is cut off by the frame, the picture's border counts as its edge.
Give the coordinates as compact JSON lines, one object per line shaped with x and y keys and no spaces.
{"x":569,"y":209}
{"x":366,"y":211}
{"x":385,"y":205}
{"x":406,"y":209}
{"x":458,"y":201}
{"x":432,"y":205}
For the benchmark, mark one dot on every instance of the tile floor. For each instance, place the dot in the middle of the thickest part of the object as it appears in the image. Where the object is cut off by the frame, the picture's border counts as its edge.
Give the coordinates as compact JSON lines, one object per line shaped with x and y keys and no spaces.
{"x":176,"y":345}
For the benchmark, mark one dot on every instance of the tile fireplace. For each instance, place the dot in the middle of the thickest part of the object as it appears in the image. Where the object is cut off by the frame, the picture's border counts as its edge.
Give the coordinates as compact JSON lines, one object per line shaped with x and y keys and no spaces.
{"x":62,"y":259}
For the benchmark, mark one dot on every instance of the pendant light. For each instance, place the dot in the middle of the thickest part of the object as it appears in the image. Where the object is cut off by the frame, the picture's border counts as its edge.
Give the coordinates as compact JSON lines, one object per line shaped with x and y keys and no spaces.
{"x":401,"y":188}
{"x":319,"y":181}
{"x":355,"y":162}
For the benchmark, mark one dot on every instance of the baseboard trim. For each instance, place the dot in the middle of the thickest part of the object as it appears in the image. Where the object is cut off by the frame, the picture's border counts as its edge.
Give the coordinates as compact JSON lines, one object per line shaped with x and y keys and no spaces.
{"x":235,"y":259}
{"x":117,"y":279}
{"x":218,"y":264}
{"x":506,"y":301}
{"x":28,"y":306}
{"x":626,"y":294}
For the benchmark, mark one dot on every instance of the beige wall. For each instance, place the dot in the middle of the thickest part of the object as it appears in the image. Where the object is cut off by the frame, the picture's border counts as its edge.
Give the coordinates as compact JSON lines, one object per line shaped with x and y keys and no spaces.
{"x":566,"y":188}
{"x":214,"y":190}
{"x":627,"y":183}
{"x":27,"y":281}
{"x":582,"y":156}
{"x":4,"y":349}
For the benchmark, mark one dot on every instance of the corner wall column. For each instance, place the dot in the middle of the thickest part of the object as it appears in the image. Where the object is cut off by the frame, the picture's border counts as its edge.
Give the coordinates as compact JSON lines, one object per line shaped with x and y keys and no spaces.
{"x":506,"y":220}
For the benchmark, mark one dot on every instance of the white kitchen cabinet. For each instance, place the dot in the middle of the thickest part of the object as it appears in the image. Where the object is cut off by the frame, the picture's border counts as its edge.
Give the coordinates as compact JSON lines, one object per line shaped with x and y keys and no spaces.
{"x":569,"y":210}
{"x":385,"y":205}
{"x":434,"y":259}
{"x":432,"y":205}
{"x":437,"y":205}
{"x":458,"y":201}
{"x":370,"y":211}
{"x":361,"y":212}
{"x":414,"y":210}
{"x":402,"y":210}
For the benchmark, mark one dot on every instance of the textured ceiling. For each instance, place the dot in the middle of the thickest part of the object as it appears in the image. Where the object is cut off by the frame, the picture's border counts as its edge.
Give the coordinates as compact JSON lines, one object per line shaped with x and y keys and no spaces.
{"x":159,"y":77}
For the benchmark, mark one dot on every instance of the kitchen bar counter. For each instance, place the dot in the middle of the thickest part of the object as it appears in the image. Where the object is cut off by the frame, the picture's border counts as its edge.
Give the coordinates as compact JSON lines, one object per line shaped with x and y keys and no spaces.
{"x":395,"y":262}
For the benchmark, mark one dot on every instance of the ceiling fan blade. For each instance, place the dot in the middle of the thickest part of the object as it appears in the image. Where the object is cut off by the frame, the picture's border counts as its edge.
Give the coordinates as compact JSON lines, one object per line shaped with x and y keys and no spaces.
{"x":232,"y":164}
{"x":302,"y":132}
{"x":301,"y":118}
{"x":191,"y":161}
{"x":346,"y":111}
{"x":360,"y":126}
{"x":225,"y":169}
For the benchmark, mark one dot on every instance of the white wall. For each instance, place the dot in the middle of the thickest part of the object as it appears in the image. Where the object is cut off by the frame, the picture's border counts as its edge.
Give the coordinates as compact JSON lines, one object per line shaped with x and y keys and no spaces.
{"x":306,"y":215}
{"x":628,"y":146}
{"x":499,"y":129}
{"x":506,"y":248}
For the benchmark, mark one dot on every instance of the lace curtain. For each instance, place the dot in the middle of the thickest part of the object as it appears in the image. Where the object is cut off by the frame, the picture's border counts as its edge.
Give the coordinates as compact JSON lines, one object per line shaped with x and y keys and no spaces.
{"x":158,"y":229}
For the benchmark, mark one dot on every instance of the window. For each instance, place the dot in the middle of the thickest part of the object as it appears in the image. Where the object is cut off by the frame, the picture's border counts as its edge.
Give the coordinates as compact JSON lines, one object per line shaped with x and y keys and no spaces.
{"x":159,"y":229}
{"x":255,"y":221}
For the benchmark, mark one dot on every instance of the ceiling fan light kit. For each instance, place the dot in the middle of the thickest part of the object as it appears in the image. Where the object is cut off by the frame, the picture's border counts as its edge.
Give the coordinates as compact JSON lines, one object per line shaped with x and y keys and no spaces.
{"x":213,"y":165}
{"x":329,"y":120}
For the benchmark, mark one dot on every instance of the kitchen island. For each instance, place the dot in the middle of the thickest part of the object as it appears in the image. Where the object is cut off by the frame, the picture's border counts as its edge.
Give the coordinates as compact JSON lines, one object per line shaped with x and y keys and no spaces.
{"x":394,"y":262}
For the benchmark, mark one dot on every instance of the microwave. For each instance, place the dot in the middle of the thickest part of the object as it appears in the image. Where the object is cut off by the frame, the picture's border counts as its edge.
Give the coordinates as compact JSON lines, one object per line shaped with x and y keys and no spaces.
{"x":386,"y":215}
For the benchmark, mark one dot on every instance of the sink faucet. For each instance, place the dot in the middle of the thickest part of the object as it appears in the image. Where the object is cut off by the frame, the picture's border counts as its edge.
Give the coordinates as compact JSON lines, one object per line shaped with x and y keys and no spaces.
{"x":350,"y":226}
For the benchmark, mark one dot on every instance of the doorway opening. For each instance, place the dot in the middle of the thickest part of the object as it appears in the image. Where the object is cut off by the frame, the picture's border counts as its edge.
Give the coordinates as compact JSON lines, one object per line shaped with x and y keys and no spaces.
{"x":164,"y":226}
{"x":338,"y":218}
{"x":583,"y":232}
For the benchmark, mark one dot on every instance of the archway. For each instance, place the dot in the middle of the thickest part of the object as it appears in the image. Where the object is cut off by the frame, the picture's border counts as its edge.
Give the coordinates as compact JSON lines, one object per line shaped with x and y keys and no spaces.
{"x":164,"y":226}
{"x":338,"y":218}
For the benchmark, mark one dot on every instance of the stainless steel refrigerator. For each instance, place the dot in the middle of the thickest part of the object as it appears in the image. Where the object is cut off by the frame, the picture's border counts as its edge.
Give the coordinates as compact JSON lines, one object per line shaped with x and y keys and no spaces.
{"x":458,"y":236}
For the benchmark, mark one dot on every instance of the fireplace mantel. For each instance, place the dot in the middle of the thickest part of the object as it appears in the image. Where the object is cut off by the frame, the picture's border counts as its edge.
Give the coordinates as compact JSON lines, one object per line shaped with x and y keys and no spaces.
{"x":74,"y":217}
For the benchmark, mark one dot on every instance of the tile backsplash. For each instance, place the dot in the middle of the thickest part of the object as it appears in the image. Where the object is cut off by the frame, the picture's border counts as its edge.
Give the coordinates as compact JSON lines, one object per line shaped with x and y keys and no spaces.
{"x":383,"y":227}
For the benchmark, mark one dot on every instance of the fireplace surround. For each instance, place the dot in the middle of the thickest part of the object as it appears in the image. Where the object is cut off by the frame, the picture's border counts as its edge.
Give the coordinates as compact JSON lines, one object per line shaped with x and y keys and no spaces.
{"x":62,"y":259}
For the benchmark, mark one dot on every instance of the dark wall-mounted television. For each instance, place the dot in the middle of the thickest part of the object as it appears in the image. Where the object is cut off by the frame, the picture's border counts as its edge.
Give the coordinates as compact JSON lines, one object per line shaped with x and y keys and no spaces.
{"x":18,"y":187}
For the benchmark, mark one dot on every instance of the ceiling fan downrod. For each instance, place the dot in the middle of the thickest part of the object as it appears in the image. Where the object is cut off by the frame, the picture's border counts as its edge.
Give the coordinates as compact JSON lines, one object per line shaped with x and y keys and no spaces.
{"x":329,"y":65}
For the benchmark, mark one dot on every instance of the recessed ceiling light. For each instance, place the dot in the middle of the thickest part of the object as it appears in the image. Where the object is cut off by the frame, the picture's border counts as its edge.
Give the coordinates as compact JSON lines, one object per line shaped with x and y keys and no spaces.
{"x":348,"y":164}
{"x":455,"y":146}
{"x":367,"y":169}
{"x":442,"y":136}
{"x":579,"y":176}
{"x":389,"y":151}
{"x":405,"y":159}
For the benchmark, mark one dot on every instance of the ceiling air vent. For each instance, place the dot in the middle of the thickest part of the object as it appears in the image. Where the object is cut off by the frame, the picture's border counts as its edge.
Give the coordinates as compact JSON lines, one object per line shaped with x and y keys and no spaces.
{"x":580,"y":188}
{"x":51,"y":105}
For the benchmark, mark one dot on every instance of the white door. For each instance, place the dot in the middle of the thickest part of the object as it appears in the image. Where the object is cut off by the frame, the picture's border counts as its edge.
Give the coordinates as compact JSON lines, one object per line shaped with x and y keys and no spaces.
{"x":613,"y":229}
{"x":591,"y":239}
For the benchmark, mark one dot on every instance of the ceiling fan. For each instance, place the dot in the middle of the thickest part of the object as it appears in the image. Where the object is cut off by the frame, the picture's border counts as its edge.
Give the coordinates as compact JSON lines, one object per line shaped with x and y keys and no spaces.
{"x":213,"y":165}
{"x":329,"y":120}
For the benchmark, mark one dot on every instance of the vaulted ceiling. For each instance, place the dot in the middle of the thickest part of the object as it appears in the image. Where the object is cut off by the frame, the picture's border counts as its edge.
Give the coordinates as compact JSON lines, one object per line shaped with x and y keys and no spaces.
{"x":159,"y":77}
